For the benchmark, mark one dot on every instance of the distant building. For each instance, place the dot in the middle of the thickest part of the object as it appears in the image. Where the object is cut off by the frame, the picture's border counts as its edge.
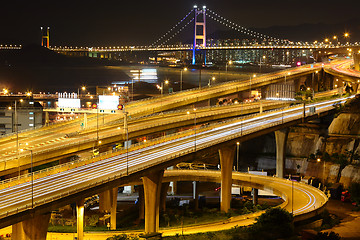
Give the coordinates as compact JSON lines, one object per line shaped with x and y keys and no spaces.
{"x":28,"y":114}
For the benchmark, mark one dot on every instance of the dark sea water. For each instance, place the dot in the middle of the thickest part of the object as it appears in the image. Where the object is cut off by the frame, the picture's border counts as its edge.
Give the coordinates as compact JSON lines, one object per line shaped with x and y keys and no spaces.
{"x":64,"y":78}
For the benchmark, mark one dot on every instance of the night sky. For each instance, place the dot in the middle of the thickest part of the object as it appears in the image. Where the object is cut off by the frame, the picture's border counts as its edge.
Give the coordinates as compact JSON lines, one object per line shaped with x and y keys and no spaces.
{"x":113,"y":23}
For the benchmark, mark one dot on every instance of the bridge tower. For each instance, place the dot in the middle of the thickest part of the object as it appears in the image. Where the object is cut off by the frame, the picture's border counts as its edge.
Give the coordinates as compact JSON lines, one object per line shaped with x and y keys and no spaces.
{"x":45,"y":37}
{"x":199,"y":31}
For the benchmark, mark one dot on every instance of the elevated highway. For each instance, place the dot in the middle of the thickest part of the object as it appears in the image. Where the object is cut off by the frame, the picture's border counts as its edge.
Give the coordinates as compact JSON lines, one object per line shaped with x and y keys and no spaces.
{"x":67,"y":140}
{"x":20,"y":201}
{"x":51,"y":135}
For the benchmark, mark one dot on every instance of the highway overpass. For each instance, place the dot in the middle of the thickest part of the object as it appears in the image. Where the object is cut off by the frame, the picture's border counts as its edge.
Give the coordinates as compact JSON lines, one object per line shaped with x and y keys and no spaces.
{"x":50,"y":136}
{"x":147,"y":160}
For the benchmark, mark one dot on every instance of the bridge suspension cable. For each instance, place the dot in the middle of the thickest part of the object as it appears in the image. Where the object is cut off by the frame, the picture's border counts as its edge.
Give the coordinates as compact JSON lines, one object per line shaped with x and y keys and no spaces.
{"x":172,"y":29}
{"x":220,"y":19}
{"x":176,"y":33}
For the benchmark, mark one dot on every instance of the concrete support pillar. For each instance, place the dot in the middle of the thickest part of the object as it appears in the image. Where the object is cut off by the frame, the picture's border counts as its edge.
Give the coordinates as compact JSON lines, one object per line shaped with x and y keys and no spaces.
{"x":80,"y":219}
{"x":163,"y":195}
{"x":226,"y":162}
{"x":255,"y":193}
{"x":141,"y":203}
{"x":113,"y":199}
{"x":47,"y":118}
{"x":31,"y":229}
{"x":196,"y":195}
{"x":108,"y":203}
{"x":152,"y":187}
{"x":104,"y":201}
{"x":281,"y":138}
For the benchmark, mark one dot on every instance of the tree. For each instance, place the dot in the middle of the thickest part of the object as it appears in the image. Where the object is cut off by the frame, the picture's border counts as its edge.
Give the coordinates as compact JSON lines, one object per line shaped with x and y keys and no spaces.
{"x":354,"y":190}
{"x":273,"y":224}
{"x":327,"y":236}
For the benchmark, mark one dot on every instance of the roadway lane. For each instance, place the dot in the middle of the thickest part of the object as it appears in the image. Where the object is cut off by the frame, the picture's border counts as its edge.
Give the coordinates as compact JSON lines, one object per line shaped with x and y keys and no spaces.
{"x":136,"y":127}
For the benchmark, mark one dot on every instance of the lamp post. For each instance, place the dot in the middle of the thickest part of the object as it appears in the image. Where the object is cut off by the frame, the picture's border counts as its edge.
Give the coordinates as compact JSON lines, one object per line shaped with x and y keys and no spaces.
{"x":188,"y":112}
{"x":32,"y":179}
{"x":292,"y":197}
{"x":226,"y":68}
{"x":181,"y":78}
{"x":127,"y":140}
{"x":237,"y":155}
{"x":132,"y":88}
{"x":254,"y":76}
{"x":287,"y":74}
{"x":16,"y":125}
{"x":195,"y":126}
{"x":323,"y":175}
{"x":83,"y":88}
{"x":347,"y":35}
{"x":97,"y":122}
{"x":32,"y":176}
{"x":313,"y":93}
{"x":211,"y":79}
{"x":162,"y":86}
{"x":263,"y":57}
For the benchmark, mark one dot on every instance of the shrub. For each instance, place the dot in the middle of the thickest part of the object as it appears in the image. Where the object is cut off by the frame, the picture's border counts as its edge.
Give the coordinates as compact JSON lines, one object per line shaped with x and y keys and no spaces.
{"x":273,"y":224}
{"x":327,"y":236}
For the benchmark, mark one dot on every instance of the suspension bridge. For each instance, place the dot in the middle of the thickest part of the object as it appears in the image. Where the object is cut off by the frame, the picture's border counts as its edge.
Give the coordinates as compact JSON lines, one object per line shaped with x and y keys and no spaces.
{"x":198,"y":18}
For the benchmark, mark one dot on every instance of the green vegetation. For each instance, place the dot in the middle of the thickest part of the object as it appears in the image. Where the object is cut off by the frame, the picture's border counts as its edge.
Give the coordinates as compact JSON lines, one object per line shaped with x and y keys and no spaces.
{"x":329,"y":220}
{"x":122,"y":237}
{"x":72,"y":229}
{"x":327,"y":236}
{"x":354,"y":190}
{"x":275,"y":223}
{"x":185,"y":216}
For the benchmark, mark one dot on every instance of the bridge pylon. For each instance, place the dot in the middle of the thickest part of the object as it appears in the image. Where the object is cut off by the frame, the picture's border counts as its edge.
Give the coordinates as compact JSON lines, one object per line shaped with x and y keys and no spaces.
{"x":199,"y":31}
{"x":45,"y":37}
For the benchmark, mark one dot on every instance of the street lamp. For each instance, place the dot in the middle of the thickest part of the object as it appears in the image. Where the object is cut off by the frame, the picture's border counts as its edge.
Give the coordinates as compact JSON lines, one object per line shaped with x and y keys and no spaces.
{"x":162,"y":86}
{"x":181,"y":77}
{"x":127,"y":140}
{"x":254,"y":76}
{"x":292,"y":197}
{"x":323,"y":175}
{"x":313,"y":93}
{"x":347,"y":35}
{"x":188,"y":112}
{"x":211,"y":79}
{"x":287,"y":74}
{"x":237,"y":155}
{"x":32,"y":176}
{"x":226,"y":68}
{"x":263,"y":57}
{"x":17,"y":130}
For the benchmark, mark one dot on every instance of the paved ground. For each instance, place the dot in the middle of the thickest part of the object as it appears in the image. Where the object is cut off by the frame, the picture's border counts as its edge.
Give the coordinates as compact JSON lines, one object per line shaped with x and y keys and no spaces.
{"x":349,"y":227}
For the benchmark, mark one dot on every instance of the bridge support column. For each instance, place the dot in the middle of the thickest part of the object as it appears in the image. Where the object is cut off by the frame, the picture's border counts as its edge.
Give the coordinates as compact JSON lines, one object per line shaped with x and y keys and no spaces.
{"x":255,"y":193}
{"x":281,"y":138}
{"x":164,"y":190}
{"x":152,"y":187}
{"x":196,"y":195}
{"x":226,"y":162}
{"x":108,"y":203}
{"x":47,"y":118}
{"x":80,"y":219}
{"x":31,"y":229}
{"x":141,"y":203}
